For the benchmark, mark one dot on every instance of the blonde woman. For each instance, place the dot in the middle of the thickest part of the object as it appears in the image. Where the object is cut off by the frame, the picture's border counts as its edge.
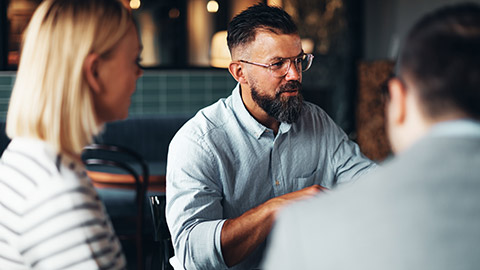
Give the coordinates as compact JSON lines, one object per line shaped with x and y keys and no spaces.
{"x":78,"y":69}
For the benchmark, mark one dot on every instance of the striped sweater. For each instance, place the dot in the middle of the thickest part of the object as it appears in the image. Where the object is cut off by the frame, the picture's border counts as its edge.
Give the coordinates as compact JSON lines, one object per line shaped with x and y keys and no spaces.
{"x":50,"y":215}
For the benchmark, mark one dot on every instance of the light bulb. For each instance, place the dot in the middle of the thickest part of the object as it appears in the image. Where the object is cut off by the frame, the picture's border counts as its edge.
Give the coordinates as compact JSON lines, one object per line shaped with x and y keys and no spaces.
{"x":135,"y":4}
{"x":212,"y":6}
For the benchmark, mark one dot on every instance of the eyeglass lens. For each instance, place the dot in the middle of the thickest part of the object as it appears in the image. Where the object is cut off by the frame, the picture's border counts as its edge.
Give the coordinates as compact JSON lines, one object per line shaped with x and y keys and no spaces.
{"x":305,"y":62}
{"x":301,"y":63}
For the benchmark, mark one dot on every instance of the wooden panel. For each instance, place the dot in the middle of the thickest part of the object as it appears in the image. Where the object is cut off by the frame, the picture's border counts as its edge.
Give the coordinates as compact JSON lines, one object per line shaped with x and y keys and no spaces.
{"x":371,"y":134}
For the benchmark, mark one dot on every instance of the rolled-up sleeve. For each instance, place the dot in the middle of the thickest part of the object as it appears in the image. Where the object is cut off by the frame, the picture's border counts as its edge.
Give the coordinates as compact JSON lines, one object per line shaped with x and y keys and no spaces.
{"x":194,"y":204}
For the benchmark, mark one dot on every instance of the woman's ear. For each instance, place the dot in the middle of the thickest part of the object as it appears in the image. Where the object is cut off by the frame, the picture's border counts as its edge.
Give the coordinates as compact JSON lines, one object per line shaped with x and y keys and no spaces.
{"x":90,"y":70}
{"x":236,"y":70}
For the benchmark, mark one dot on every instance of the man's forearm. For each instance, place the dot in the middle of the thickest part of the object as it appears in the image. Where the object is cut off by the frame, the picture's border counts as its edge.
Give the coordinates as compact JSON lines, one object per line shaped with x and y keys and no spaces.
{"x":241,"y":235}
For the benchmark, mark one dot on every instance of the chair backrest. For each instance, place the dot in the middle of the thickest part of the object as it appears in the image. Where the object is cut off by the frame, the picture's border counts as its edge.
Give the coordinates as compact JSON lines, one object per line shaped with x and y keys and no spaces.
{"x":121,"y":163}
{"x":4,"y":140}
{"x":147,"y":135}
{"x":161,"y":232}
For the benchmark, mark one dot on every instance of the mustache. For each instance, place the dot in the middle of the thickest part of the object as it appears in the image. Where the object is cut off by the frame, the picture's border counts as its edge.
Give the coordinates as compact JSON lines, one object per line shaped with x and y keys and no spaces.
{"x":290,"y":86}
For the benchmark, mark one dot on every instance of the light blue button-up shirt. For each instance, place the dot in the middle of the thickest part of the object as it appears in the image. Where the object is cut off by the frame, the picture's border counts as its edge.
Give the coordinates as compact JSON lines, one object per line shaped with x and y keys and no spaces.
{"x":458,"y":127}
{"x":222,"y":163}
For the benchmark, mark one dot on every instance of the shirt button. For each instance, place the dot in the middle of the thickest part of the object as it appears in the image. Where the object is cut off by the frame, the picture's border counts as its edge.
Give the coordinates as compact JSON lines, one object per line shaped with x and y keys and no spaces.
{"x":277,"y":183}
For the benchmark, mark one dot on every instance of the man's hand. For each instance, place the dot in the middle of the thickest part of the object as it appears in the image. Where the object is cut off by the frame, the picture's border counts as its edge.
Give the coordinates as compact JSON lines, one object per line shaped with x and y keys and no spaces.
{"x":279,"y":202}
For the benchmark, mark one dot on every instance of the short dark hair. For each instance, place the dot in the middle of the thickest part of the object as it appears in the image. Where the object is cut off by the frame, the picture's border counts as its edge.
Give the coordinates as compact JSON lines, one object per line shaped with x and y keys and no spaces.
{"x":441,"y":55}
{"x":243,"y":27}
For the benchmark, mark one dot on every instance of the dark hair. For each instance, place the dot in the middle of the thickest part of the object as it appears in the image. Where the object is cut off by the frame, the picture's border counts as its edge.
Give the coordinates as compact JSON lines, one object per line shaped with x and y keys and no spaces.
{"x":243,"y":27}
{"x":441,"y":55}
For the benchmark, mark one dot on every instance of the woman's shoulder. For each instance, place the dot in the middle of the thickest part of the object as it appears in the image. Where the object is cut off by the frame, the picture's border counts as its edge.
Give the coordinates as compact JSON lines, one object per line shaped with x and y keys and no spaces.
{"x":30,"y":166}
{"x":30,"y":158}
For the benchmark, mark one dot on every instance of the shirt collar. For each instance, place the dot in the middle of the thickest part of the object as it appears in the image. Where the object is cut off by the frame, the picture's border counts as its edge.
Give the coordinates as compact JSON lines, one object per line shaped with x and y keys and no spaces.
{"x":246,"y":119}
{"x":459,"y":127}
{"x":255,"y":128}
{"x":251,"y":124}
{"x":284,"y":127}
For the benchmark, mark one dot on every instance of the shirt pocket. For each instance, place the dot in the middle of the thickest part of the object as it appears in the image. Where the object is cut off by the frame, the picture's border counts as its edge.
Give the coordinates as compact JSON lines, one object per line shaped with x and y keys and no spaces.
{"x":306,"y":180}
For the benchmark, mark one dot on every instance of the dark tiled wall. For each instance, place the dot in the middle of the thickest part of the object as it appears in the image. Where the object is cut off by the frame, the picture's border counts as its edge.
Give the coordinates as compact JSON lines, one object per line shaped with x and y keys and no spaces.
{"x":181,"y":92}
{"x":6,"y":84}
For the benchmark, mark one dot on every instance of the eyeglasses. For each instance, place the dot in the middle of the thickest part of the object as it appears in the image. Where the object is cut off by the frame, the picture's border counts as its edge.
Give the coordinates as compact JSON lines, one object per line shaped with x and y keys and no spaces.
{"x":281,"y":67}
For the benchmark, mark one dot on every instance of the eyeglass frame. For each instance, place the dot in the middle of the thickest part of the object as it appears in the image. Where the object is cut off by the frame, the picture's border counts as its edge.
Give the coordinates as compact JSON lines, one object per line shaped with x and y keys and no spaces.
{"x":269,"y":66}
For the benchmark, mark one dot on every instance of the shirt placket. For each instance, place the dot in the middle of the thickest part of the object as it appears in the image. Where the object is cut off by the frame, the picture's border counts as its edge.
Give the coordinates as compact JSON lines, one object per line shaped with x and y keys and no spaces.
{"x":278,"y":181}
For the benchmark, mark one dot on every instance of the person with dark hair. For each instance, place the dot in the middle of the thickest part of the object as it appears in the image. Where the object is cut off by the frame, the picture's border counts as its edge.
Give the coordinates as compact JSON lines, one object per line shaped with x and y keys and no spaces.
{"x":233,"y":165}
{"x":421,"y":209}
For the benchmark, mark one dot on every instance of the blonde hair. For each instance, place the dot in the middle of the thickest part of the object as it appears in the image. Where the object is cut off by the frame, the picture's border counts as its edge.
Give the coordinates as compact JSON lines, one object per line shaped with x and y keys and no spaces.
{"x":51,"y":99}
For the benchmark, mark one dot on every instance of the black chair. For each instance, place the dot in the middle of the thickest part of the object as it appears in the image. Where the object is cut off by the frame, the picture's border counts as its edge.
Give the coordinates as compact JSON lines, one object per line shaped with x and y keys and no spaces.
{"x":4,"y":140}
{"x":114,"y":167}
{"x":161,"y":233}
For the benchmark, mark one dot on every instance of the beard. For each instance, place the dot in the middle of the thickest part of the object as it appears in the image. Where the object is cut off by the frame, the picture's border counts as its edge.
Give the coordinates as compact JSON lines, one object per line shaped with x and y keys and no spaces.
{"x":284,"y":109}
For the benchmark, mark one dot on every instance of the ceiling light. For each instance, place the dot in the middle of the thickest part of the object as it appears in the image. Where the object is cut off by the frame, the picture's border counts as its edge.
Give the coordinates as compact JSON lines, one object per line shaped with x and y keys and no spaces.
{"x":212,"y":6}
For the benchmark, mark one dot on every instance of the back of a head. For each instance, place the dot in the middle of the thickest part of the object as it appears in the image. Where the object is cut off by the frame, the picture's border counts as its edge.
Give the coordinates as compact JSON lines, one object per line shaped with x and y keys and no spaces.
{"x":243,"y":27}
{"x":441,"y":55}
{"x":51,"y":99}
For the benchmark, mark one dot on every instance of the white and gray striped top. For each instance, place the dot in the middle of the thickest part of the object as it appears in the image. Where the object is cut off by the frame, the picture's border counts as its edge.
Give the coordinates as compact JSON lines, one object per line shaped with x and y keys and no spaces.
{"x":50,"y":215}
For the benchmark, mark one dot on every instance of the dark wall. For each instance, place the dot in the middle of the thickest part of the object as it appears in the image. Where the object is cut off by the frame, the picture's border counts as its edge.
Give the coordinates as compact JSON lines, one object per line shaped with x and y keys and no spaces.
{"x":3,"y":34}
{"x":332,"y":82}
{"x":387,"y":22}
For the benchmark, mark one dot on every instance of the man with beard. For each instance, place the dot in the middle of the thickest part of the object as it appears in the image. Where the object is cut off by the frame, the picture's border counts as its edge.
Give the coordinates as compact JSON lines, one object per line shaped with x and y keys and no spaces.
{"x":238,"y":161}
